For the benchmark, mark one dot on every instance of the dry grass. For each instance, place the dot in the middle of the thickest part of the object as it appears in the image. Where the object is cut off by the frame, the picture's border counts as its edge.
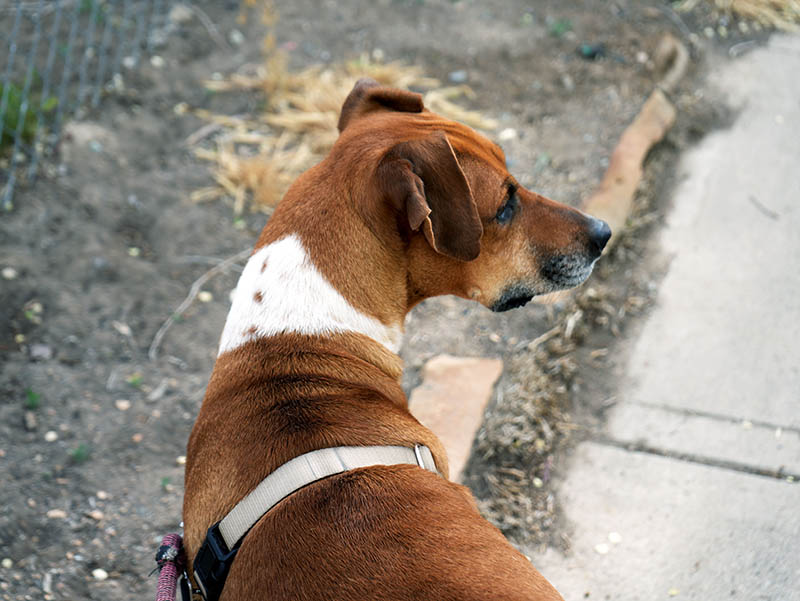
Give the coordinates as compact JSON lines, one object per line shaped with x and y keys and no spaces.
{"x":528,"y":423}
{"x":780,"y":14}
{"x":255,"y":160}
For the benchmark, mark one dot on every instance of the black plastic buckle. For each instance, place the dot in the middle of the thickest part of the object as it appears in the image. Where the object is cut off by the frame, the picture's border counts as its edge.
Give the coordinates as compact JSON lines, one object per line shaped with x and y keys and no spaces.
{"x":212,"y":563}
{"x":184,"y":588}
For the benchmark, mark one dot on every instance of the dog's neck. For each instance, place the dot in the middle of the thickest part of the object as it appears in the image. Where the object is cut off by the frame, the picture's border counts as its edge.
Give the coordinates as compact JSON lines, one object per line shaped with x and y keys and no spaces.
{"x":319,"y":270}
{"x":281,"y":291}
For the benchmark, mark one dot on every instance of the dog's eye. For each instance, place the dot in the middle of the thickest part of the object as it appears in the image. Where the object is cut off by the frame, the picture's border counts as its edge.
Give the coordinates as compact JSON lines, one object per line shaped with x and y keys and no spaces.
{"x":506,"y":212}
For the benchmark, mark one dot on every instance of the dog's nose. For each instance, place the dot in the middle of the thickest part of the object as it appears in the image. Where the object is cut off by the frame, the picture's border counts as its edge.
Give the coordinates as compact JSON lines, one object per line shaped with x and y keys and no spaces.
{"x":599,"y":234}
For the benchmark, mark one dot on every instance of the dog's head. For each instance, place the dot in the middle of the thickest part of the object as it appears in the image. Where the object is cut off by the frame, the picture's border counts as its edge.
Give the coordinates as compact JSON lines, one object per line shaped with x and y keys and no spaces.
{"x":467,"y":226}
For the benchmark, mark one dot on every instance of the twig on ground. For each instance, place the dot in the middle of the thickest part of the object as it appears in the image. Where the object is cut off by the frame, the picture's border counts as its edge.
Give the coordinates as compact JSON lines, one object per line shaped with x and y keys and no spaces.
{"x":672,"y":56}
{"x":738,"y":49}
{"x":203,"y":132}
{"x":205,"y":260}
{"x":676,"y":19}
{"x":209,"y":25}
{"x":152,"y":353}
{"x":764,"y":210}
{"x":531,"y":346}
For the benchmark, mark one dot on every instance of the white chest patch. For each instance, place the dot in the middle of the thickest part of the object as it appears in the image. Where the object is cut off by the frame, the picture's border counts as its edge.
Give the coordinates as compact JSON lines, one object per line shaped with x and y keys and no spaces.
{"x":280,"y":291}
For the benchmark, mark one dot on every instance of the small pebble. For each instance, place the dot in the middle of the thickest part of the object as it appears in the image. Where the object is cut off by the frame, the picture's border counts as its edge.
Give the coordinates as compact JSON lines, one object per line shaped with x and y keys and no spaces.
{"x":41,"y":352}
{"x":51,"y":436}
{"x":122,"y":328}
{"x":96,"y":514}
{"x":102,"y":495}
{"x":181,"y":460}
{"x":47,"y":584}
{"x":236,"y":37}
{"x":57,"y":514}
{"x":615,"y":537}
{"x":157,"y":61}
{"x":378,"y":55}
{"x":641,"y":57}
{"x":722,"y":31}
{"x":129,"y":62}
{"x":30,"y":421}
{"x":507,"y":134}
{"x":204,"y":296}
{"x":99,"y":574}
{"x":494,"y":337}
{"x":709,"y":32}
{"x":459,"y":76}
{"x":180,"y":13}
{"x":134,"y":251}
{"x":537,"y":482}
{"x":747,"y":424}
{"x":122,"y":404}
{"x":19,"y":338}
{"x":7,"y":563}
{"x":137,"y":438}
{"x":601,"y":548}
{"x":673,"y":592}
{"x":9,"y":273}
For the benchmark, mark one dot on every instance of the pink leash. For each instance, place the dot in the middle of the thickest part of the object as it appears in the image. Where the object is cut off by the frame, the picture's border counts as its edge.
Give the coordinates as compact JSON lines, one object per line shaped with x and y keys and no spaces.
{"x":171,"y":561}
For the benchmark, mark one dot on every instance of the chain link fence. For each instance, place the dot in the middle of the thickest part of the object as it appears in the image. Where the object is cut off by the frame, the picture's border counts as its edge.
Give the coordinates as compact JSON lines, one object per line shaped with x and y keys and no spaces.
{"x":57,"y":59}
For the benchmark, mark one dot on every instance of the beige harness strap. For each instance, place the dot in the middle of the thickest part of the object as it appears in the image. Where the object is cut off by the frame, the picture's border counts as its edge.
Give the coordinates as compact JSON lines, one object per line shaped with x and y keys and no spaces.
{"x":308,"y":468}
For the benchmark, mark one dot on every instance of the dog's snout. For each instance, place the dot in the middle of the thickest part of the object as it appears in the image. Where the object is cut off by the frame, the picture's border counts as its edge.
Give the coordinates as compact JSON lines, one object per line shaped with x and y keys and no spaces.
{"x":599,"y":234}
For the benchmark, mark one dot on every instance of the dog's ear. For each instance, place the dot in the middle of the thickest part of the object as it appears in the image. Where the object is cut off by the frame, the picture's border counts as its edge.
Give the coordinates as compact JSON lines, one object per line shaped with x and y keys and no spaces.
{"x":368,"y":95}
{"x":422,"y":179}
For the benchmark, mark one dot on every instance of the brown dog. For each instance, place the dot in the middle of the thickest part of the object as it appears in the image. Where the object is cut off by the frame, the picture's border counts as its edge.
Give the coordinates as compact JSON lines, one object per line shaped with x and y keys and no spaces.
{"x":408,"y":205}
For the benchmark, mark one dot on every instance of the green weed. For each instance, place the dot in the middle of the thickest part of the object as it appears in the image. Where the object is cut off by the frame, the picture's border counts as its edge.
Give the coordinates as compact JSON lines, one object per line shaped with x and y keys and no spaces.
{"x":14,"y":113}
{"x":32,"y":399}
{"x":80,"y":454}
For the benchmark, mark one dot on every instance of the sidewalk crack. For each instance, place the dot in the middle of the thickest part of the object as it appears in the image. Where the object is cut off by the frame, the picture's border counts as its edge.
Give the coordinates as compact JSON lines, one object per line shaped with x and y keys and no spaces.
{"x":715,"y":416}
{"x":735,"y":466}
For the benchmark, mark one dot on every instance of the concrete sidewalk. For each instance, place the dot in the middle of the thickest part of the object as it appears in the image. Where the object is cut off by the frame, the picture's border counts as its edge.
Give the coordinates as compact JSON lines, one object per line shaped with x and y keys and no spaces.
{"x":707,"y":506}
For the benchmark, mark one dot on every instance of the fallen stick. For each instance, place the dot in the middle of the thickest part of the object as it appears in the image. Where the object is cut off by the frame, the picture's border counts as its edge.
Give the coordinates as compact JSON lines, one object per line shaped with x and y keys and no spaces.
{"x":198,"y":283}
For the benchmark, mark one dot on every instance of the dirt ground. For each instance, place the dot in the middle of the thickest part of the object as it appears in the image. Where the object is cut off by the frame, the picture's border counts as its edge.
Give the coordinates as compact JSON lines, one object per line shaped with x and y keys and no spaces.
{"x":105,"y":249}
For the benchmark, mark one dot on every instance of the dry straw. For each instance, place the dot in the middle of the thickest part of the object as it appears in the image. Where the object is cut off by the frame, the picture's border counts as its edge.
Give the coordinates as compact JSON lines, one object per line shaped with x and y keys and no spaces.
{"x":256,"y":159}
{"x":780,"y":14}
